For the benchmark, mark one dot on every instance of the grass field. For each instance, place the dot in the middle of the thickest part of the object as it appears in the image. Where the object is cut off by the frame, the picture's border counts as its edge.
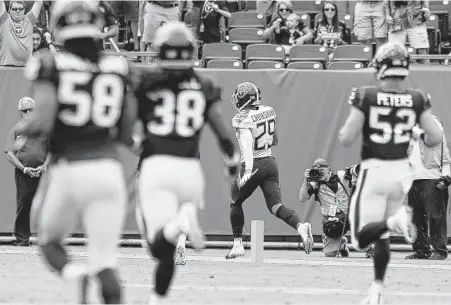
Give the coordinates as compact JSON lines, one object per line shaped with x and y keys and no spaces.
{"x":286,"y":277}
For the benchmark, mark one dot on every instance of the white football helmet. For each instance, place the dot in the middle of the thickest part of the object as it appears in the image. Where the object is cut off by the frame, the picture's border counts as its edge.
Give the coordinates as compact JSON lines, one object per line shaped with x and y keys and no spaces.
{"x":76,"y":19}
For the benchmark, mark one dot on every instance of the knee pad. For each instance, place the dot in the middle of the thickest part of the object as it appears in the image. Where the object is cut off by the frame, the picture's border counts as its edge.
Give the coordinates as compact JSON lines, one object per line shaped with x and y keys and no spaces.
{"x":161,"y":248}
{"x":110,"y":286}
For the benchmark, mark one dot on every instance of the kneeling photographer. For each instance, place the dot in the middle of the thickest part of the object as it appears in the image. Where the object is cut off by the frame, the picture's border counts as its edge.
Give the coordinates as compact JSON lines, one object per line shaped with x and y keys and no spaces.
{"x":333,"y":191}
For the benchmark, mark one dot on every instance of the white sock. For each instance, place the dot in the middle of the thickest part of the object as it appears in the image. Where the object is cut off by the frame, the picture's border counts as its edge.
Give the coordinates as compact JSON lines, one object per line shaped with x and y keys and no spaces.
{"x":377,"y":287}
{"x":237,"y":241}
{"x":182,"y":240}
{"x":71,"y":270}
{"x":391,"y":223}
{"x":171,"y":232}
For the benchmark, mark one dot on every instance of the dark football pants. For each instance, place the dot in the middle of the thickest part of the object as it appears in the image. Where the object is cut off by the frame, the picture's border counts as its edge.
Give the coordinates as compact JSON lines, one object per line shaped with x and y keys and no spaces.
{"x":266,"y":177}
{"x":25,"y":189}
{"x":429,"y":215}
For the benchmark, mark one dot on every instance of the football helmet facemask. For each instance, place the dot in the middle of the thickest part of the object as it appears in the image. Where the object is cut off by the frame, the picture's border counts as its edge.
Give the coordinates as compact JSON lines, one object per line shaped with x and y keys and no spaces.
{"x":174,"y":45}
{"x":76,"y":19}
{"x":391,"y":59}
{"x":246,"y":94}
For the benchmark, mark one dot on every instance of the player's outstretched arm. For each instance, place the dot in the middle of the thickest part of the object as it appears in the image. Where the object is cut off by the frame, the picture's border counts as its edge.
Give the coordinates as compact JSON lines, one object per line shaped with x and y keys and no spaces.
{"x":433,"y":131}
{"x":352,"y":128}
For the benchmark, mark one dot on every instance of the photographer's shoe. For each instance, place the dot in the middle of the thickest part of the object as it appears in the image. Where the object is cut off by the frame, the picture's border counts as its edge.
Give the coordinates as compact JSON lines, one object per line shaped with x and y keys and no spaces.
{"x":401,"y":222}
{"x":305,"y":230}
{"x":419,"y":255}
{"x":344,"y":251}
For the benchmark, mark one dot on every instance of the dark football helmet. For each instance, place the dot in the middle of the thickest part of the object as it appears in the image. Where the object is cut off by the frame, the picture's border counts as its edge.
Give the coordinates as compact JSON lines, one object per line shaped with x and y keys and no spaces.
{"x":246,"y":94}
{"x":391,"y":59}
{"x":174,"y":45}
{"x":76,"y":19}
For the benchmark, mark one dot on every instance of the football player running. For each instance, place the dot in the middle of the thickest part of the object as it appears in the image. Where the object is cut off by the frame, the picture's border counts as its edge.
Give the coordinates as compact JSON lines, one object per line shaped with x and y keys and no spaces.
{"x":81,"y":106}
{"x":386,"y":116}
{"x":255,"y":126}
{"x":175,"y":103}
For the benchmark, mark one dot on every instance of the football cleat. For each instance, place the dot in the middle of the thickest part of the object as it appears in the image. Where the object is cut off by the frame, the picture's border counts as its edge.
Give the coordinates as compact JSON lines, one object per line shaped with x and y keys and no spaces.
{"x":180,"y":255}
{"x":391,"y":59}
{"x":246,"y":94}
{"x":76,"y":19}
{"x":236,"y":251}
{"x":174,"y":45}
{"x":190,"y":225}
{"x":305,"y":231}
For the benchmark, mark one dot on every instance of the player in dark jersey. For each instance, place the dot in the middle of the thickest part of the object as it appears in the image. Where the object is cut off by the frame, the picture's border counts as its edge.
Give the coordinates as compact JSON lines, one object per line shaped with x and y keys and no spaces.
{"x":81,"y":106}
{"x":386,"y":115}
{"x":255,"y":126}
{"x":174,"y":104}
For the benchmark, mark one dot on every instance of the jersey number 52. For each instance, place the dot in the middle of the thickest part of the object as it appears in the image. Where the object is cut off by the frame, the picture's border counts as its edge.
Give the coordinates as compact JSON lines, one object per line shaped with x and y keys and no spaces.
{"x":182,"y":113}
{"x":103,"y":106}
{"x":399,"y":132}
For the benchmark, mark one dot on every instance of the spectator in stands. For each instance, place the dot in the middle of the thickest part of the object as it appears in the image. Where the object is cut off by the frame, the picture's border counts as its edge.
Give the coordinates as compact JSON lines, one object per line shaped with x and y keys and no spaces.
{"x":267,"y":8}
{"x":209,"y":29}
{"x":30,"y":162}
{"x":111,"y":28}
{"x":130,"y":11}
{"x":407,"y":23}
{"x":369,"y":22}
{"x":329,"y":31}
{"x":154,"y":13}
{"x":42,"y":41}
{"x":234,"y":6}
{"x":16,"y":32}
{"x":278,"y":26}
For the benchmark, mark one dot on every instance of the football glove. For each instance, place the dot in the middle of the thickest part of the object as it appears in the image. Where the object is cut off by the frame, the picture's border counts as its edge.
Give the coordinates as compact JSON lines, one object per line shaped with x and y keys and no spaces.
{"x":247,"y":175}
{"x":417,"y":133}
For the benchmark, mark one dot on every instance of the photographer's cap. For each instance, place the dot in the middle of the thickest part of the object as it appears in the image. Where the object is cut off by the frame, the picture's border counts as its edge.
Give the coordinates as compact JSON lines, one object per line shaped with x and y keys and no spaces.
{"x":320,"y":163}
{"x":26,"y":103}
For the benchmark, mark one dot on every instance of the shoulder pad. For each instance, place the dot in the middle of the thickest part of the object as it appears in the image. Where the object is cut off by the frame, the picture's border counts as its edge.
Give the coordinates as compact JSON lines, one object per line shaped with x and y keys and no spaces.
{"x":356,"y":97}
{"x":243,"y":121}
{"x":41,"y":66}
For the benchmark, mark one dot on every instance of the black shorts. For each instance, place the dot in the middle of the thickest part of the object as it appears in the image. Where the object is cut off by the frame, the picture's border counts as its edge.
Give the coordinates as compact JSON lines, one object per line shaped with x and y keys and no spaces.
{"x":266,"y":177}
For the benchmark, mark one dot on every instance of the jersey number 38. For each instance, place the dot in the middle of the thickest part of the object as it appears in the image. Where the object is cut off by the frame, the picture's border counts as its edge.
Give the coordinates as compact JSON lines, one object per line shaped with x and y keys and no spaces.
{"x":182,"y":113}
{"x":102,"y":106}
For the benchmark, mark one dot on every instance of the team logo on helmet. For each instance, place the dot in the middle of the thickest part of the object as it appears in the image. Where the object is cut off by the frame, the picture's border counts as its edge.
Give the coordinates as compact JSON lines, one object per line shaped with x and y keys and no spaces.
{"x":246,"y":94}
{"x":392,"y":59}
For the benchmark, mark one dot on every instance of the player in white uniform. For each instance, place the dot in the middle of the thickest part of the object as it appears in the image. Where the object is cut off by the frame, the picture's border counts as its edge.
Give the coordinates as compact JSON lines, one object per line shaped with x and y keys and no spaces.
{"x":386,"y":116}
{"x":255,"y":126}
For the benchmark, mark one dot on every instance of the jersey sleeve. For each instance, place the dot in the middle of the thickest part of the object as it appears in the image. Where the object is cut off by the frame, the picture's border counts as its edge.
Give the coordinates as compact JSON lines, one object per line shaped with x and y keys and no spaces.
{"x":42,"y":67}
{"x":243,"y":121}
{"x":356,"y":99}
{"x":212,"y":92}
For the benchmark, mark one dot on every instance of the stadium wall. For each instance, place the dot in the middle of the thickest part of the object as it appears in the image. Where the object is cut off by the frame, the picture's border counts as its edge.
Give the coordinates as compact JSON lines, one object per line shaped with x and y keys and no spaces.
{"x":311,"y":107}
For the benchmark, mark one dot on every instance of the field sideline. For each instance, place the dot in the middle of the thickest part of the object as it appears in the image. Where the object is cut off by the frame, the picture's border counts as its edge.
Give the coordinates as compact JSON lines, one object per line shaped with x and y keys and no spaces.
{"x":286,"y":277}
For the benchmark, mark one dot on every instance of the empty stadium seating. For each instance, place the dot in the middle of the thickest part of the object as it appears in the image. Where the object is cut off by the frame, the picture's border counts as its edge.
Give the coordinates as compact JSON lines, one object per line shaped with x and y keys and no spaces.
{"x":361,"y":53}
{"x":305,"y":65}
{"x":345,"y":65}
{"x":247,"y":20}
{"x":265,"y":64}
{"x":308,"y":53}
{"x":225,"y":64}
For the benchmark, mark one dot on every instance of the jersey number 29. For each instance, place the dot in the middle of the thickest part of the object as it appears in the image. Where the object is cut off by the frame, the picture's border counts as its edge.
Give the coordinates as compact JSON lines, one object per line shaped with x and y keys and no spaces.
{"x":177,"y":111}
{"x":102,"y":106}
{"x":265,"y":128}
{"x":398,"y":132}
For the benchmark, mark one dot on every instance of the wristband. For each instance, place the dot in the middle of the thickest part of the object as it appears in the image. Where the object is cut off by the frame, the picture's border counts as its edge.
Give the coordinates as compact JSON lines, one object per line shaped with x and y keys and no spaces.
{"x":23,"y":171}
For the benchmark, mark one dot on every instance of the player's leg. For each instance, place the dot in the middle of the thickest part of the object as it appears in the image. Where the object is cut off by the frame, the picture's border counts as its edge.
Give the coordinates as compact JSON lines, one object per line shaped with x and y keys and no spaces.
{"x":108,"y":197}
{"x":270,"y":186}
{"x":57,"y":216}
{"x":239,"y":195}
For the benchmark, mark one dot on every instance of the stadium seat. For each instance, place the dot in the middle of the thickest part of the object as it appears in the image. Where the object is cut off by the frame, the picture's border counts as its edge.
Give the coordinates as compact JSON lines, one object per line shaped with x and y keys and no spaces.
{"x":265,"y":52}
{"x":225,"y":64}
{"x":221,"y":51}
{"x":265,"y":64}
{"x":307,"y":5}
{"x":353,"y":52}
{"x":247,"y":20}
{"x":306,"y":19}
{"x":305,"y":65}
{"x":246,"y":36}
{"x":308,"y":53}
{"x":198,"y":64}
{"x":345,"y":65}
{"x":433,"y":28}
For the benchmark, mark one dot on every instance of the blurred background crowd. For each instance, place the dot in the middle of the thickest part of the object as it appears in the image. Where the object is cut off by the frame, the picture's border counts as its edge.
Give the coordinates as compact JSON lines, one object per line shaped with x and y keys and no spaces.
{"x":131,"y":25}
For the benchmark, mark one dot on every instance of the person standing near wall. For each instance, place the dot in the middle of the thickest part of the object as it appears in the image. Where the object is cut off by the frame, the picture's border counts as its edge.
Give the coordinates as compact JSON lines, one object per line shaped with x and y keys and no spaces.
{"x":29,"y":162}
{"x":429,"y":198}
